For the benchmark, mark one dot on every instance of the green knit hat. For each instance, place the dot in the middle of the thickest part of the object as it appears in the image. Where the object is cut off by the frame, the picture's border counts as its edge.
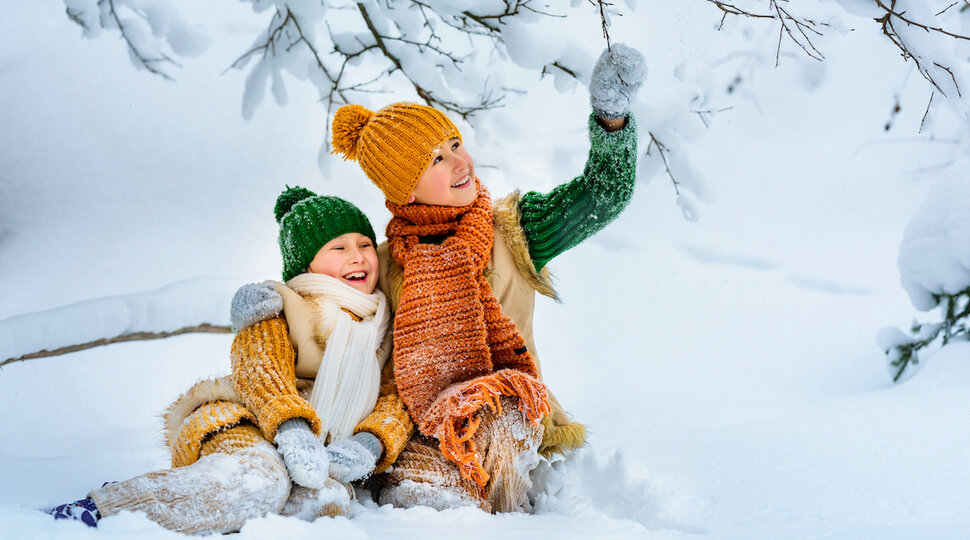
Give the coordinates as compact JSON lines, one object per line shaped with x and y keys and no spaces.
{"x":308,"y":221}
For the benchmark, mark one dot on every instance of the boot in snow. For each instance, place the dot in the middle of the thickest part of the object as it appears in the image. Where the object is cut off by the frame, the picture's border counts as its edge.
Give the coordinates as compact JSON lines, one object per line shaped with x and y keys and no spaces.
{"x":83,"y":510}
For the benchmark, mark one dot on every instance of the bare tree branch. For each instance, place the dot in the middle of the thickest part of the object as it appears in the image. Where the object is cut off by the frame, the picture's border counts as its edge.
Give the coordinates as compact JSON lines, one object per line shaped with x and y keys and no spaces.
{"x":603,"y":6}
{"x":889,"y":30}
{"x":136,"y":336}
{"x":150,"y":63}
{"x":798,"y":29}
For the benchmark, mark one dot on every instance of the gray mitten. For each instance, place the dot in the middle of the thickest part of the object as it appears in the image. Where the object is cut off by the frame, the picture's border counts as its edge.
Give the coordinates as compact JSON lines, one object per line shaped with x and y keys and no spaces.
{"x":303,"y":452}
{"x":354,"y":458}
{"x":254,"y":302}
{"x":616,"y":78}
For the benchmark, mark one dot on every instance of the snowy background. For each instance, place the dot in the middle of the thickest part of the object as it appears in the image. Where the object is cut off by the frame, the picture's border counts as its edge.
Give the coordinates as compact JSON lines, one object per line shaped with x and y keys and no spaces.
{"x":726,"y":367}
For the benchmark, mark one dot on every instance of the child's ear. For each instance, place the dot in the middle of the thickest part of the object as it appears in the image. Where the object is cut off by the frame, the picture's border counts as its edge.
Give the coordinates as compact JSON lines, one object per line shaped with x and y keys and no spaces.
{"x":410,"y":199}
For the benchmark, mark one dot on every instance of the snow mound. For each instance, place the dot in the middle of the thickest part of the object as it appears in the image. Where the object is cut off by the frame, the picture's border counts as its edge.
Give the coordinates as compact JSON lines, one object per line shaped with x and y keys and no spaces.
{"x":934,"y":257}
{"x":588,"y":484}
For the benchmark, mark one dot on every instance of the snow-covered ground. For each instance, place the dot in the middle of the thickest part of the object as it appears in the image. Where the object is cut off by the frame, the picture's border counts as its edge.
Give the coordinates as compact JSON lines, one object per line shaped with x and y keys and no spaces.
{"x":726,"y":368}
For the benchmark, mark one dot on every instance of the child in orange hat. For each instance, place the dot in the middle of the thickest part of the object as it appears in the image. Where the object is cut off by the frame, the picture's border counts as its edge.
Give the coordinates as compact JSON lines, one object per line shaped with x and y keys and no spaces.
{"x":461,"y":274}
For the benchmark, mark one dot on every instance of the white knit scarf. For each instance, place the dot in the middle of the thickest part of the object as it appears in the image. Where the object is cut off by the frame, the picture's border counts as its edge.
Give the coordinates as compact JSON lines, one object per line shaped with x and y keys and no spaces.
{"x":347,"y":382}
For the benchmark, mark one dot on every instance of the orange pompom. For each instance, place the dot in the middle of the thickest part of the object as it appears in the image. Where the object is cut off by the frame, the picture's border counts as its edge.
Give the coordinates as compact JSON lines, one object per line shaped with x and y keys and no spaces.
{"x":347,"y":126}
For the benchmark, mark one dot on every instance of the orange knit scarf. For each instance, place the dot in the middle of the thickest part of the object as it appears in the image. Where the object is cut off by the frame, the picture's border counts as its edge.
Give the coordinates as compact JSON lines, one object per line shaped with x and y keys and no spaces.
{"x":454,"y":350}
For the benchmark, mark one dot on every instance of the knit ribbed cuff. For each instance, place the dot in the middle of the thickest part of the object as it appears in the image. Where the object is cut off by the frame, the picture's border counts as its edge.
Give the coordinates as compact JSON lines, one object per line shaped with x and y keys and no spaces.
{"x":391,"y":424}
{"x":282,"y":408}
{"x":205,"y":420}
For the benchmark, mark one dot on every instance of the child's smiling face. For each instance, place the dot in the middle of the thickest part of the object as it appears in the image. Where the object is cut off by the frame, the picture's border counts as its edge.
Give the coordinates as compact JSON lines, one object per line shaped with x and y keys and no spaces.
{"x":351,"y":258}
{"x":449,"y":179}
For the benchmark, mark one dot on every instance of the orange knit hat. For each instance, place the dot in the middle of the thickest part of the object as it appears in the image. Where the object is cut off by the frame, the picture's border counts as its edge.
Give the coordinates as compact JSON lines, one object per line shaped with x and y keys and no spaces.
{"x":393,"y":145}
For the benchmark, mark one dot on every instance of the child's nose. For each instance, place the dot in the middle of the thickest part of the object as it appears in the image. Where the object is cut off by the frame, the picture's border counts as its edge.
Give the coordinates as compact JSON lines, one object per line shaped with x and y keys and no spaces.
{"x":459,"y":163}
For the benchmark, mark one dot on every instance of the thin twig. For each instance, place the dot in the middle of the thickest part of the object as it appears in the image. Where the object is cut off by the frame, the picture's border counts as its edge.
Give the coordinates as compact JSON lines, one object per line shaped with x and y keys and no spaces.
{"x":663,"y":155}
{"x":798,"y":30}
{"x":947,"y":8}
{"x":149,"y":63}
{"x":901,"y":16}
{"x":603,"y":6}
{"x":925,"y":114}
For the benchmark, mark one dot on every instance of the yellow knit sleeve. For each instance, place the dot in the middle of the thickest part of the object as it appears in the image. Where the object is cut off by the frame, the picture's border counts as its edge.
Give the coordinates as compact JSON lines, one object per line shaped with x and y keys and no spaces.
{"x":390,"y":421}
{"x":263,"y":373}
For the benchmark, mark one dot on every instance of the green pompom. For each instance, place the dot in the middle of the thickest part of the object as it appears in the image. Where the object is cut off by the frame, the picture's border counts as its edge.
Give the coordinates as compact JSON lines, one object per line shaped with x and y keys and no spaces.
{"x":288,"y":198}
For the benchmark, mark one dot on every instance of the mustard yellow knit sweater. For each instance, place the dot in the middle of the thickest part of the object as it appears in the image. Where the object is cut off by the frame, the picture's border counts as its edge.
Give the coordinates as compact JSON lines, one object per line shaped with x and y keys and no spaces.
{"x":263,"y":374}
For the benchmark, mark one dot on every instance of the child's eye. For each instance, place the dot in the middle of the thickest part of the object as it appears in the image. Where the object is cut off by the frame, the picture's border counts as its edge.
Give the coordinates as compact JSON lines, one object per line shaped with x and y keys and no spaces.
{"x":456,"y":145}
{"x":436,"y":159}
{"x":338,"y":247}
{"x":366,"y":245}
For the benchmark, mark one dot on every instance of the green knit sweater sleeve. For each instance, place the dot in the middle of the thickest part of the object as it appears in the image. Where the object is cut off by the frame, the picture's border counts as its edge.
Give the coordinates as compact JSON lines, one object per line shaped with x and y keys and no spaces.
{"x":572,"y":212}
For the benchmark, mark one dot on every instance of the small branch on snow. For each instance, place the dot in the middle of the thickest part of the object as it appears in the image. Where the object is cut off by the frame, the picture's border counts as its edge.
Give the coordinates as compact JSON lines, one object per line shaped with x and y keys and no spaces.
{"x":663,"y":155}
{"x":136,"y":336}
{"x":925,"y":114}
{"x":709,"y":112}
{"x":557,"y":65}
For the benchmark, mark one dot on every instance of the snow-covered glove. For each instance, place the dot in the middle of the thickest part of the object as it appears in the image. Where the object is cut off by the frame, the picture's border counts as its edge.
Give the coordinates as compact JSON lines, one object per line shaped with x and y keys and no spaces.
{"x":354,"y":458}
{"x":254,"y":302}
{"x":616,"y":78}
{"x":303,"y":452}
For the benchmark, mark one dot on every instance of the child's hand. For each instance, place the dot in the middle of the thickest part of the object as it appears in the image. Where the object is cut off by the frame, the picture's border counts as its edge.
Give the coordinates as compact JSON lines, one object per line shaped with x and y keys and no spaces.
{"x":616,"y":78}
{"x":253,"y":303}
{"x":303,"y":452}
{"x":354,"y":458}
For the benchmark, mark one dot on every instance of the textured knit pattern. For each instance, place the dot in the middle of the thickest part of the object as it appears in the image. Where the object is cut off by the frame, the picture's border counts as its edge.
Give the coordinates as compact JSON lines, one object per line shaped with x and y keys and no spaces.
{"x":308,"y":221}
{"x":507,"y":442}
{"x":218,"y":493}
{"x":574,"y":211}
{"x":231,"y":440}
{"x":263,"y":374}
{"x":454,"y":350}
{"x":390,"y":421}
{"x":201,"y":424}
{"x":393,"y":145}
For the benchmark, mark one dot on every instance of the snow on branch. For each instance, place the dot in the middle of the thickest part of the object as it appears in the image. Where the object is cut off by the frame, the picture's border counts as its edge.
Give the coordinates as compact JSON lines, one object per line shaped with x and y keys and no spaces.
{"x":141,"y":23}
{"x":606,"y":9}
{"x":446,"y":51}
{"x":897,"y":24}
{"x":800,"y":30}
{"x":195,"y":305}
{"x":934,"y":268}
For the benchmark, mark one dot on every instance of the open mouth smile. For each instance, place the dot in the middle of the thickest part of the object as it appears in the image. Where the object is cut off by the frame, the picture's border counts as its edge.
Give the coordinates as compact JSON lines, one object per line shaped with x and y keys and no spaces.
{"x":356,"y":276}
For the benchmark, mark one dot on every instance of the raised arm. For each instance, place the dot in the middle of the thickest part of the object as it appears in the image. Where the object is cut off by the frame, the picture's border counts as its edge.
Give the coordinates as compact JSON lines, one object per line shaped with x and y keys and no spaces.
{"x":572,"y":212}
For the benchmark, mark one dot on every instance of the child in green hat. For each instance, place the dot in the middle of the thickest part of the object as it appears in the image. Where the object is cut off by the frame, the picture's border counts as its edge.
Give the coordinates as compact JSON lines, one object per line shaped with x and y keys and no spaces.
{"x":299,"y":416}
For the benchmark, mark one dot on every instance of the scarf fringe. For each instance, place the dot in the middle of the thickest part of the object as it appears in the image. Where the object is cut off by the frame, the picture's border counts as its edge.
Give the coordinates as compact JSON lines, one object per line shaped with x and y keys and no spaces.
{"x":461,"y":419}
